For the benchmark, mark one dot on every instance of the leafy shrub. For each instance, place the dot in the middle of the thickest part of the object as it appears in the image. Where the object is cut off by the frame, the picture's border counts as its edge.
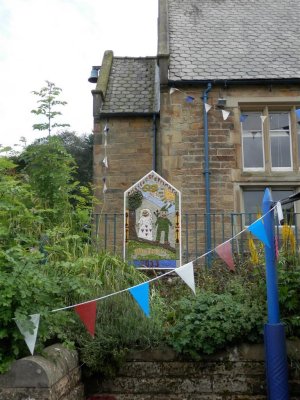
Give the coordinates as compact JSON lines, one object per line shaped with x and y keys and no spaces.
{"x":289,"y":292}
{"x":121,"y":326}
{"x":47,"y":261}
{"x":211,"y":321}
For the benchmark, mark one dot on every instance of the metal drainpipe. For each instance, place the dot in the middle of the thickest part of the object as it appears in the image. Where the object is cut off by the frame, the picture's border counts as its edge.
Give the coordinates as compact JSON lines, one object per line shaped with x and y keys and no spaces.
{"x":206,"y":176}
{"x":154,"y":128}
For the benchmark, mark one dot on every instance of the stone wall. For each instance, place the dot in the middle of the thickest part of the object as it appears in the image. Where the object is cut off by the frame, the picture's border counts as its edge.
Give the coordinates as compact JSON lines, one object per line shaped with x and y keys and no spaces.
{"x":54,"y":376}
{"x":129,"y":153}
{"x":238,"y":374}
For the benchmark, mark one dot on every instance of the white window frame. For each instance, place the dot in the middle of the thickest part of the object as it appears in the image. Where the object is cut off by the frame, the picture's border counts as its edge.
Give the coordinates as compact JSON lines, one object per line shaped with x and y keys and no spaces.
{"x":291,"y":149}
{"x":254,"y":169}
{"x":294,"y":134}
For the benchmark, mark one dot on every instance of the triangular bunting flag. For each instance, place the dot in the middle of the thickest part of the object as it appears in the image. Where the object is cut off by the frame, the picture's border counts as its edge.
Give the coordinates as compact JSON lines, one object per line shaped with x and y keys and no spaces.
{"x":104,"y":185}
{"x":105,"y":141}
{"x":189,"y":99}
{"x":298,"y":113}
{"x":106,"y":129}
{"x":186,"y":273}
{"x":263,"y":118}
{"x":87,"y":314}
{"x":141,"y":294}
{"x":224,"y":251}
{"x":243,"y":117}
{"x":207,"y":107}
{"x":258,"y":230}
{"x":279,"y":213}
{"x":225,"y":114}
{"x":173,"y":90}
{"x":30,"y":338}
{"x":105,"y":162}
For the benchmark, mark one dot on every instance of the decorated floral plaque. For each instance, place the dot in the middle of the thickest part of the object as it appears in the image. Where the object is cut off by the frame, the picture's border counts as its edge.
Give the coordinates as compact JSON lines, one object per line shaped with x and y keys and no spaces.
{"x":152,"y":223}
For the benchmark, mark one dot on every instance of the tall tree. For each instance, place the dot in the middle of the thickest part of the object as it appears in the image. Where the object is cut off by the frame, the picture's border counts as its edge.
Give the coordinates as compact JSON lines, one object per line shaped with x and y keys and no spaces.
{"x":48,"y":102}
{"x":50,"y":171}
{"x":81,"y":149}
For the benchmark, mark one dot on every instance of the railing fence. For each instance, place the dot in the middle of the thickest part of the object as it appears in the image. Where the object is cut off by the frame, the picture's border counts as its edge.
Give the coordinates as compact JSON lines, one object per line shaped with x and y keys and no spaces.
{"x":108,"y":230}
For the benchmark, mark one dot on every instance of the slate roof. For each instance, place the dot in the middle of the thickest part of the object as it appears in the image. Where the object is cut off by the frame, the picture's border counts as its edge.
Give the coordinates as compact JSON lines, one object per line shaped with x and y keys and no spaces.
{"x":132,"y":86}
{"x":234,"y":39}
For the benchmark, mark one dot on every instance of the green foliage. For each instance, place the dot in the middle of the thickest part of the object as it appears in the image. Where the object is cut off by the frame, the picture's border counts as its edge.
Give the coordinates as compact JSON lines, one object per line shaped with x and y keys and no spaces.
{"x":289,"y":292}
{"x":211,"y":321}
{"x":48,"y":101}
{"x":81,"y":149}
{"x":135,"y":200}
{"x":229,"y":308}
{"x":121,"y":326}
{"x":50,"y":168}
{"x":47,"y":262}
{"x":30,"y":276}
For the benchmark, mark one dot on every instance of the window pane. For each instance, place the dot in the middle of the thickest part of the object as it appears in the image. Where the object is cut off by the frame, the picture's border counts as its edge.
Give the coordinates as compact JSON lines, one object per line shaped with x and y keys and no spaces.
{"x":253,"y":141}
{"x":253,"y":200}
{"x":280,"y":140}
{"x":279,"y":121}
{"x":253,"y":203}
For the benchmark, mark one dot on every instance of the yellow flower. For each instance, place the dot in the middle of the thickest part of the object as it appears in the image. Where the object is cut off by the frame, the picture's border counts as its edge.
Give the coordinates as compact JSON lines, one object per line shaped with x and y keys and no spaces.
{"x":253,"y":251}
{"x":288,"y":238}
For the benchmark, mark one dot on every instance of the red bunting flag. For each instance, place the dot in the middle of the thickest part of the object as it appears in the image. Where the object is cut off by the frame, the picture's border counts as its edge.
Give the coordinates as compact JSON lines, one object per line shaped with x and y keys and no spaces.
{"x":87,"y":314}
{"x":224,"y":251}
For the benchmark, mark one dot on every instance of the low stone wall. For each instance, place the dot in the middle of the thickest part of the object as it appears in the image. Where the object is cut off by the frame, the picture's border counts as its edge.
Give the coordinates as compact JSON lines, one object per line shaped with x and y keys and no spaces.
{"x":238,"y":374}
{"x":55,"y":376}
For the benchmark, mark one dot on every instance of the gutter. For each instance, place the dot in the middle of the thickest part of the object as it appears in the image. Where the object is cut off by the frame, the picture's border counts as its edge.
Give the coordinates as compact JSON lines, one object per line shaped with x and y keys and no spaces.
{"x":206,"y":173}
{"x":226,"y":82}
{"x":154,"y":129}
{"x":127,"y":114}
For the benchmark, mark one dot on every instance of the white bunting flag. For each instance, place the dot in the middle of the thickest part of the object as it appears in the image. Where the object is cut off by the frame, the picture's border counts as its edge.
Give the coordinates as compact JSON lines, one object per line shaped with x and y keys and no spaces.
{"x":225,"y":114}
{"x":105,"y":141}
{"x":279,"y":213}
{"x":173,"y":90}
{"x":106,"y":129}
{"x":186,"y":273}
{"x":263,"y":118}
{"x":105,"y":162}
{"x":207,"y":107}
{"x":30,"y":338}
{"x":104,"y":188}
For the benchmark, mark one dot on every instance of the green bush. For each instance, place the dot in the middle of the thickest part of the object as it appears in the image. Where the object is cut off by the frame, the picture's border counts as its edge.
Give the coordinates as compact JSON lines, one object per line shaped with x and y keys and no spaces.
{"x":289,"y":293}
{"x":121,"y":326}
{"x":228,"y":308}
{"x":210,"y":321}
{"x":48,"y":262}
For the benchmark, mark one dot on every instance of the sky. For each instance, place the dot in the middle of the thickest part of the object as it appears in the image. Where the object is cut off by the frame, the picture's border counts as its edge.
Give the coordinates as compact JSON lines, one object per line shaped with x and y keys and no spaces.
{"x":59,"y":41}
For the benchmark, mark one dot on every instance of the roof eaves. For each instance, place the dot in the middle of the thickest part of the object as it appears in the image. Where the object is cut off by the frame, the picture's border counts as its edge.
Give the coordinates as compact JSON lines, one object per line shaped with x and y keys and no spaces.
{"x":235,"y":81}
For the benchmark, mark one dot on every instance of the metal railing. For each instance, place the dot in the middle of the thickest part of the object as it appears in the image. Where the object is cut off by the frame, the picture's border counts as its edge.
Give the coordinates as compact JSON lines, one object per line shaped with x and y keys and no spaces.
{"x":109,"y":230}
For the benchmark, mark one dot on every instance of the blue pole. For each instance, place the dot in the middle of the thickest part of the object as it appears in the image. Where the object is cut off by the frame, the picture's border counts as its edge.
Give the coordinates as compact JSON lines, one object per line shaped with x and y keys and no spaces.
{"x":275,"y":345}
{"x":271,"y":274}
{"x":206,"y":176}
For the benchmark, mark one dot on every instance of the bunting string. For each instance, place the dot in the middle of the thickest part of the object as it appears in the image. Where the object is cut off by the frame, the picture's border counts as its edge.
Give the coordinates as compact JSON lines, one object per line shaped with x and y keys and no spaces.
{"x":225,"y":113}
{"x":191,"y":99}
{"x":166,"y":273}
{"x":87,"y":310}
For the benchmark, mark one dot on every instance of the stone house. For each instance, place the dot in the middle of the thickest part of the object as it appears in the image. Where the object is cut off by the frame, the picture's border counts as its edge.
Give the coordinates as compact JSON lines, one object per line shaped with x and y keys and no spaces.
{"x":214,"y":113}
